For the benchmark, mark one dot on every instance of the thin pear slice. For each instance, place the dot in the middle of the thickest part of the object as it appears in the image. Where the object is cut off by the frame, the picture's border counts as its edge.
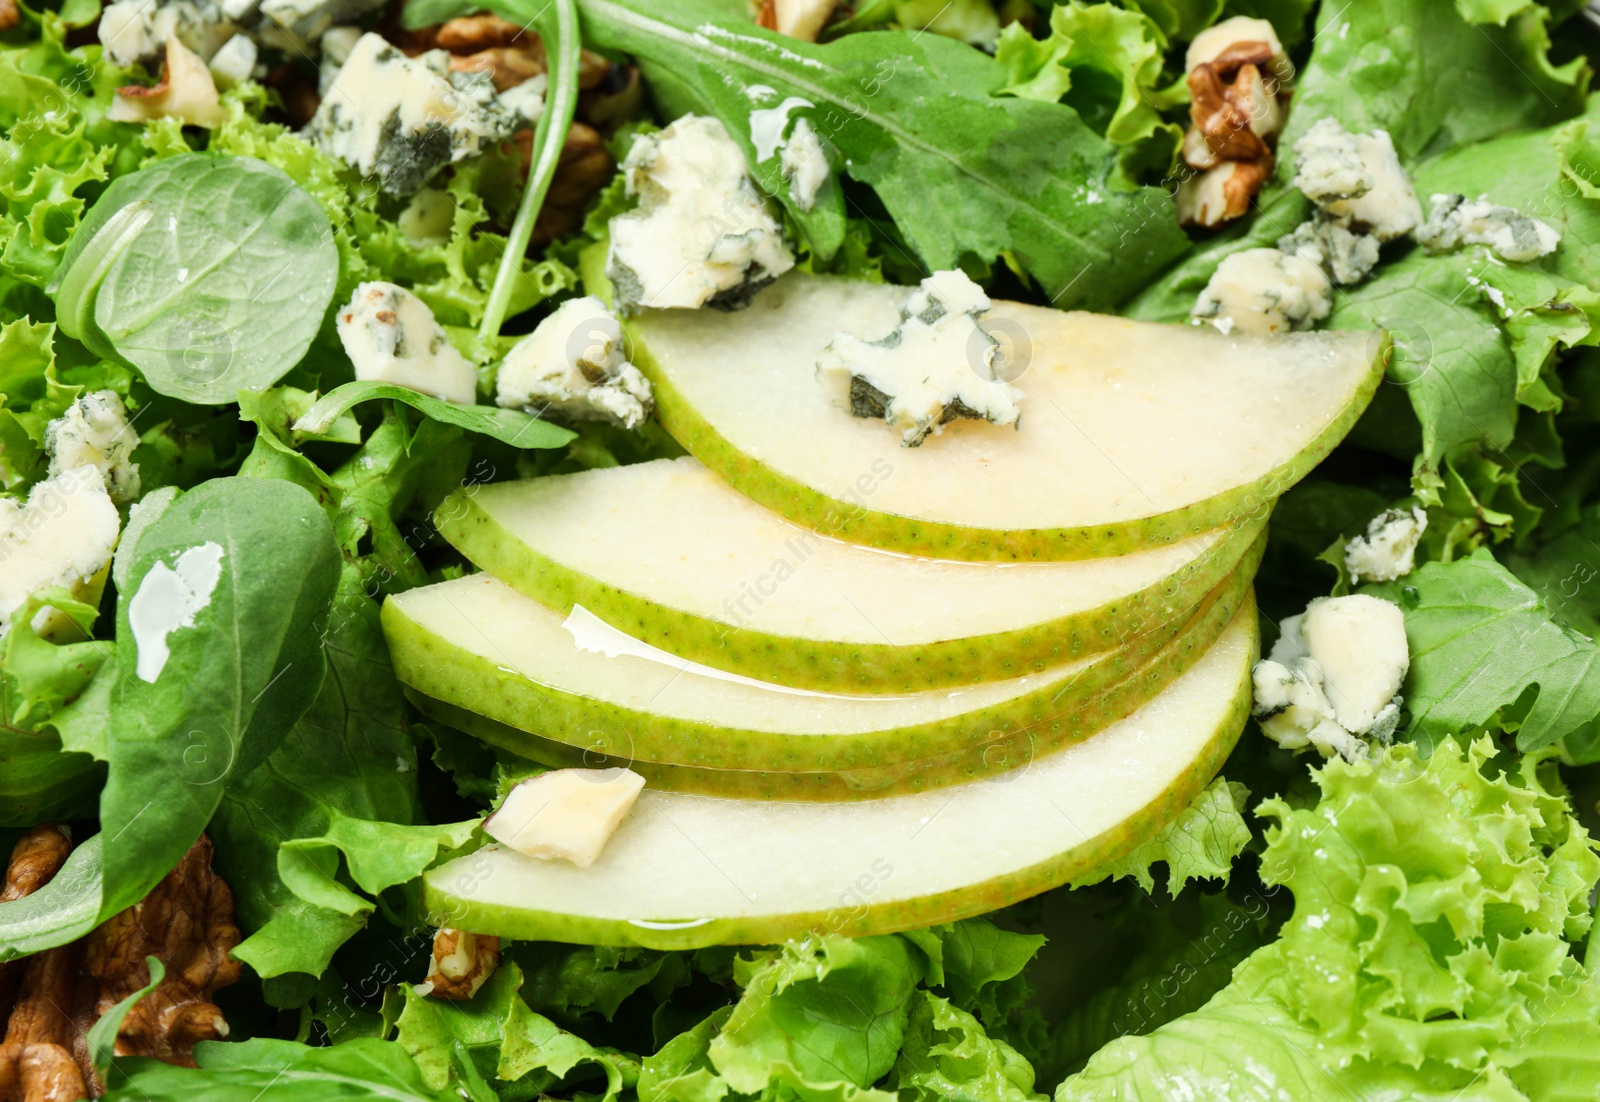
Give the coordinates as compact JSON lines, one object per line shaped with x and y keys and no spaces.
{"x":478,"y":644}
{"x":1132,"y":433}
{"x":668,"y":553}
{"x":688,"y":871}
{"x":999,"y":753}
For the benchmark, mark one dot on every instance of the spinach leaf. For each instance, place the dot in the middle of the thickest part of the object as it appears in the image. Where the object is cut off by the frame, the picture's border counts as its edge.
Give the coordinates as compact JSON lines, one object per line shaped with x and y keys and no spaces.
{"x":509,"y":426}
{"x":219,"y":653}
{"x":209,"y":274}
{"x":964,"y":173}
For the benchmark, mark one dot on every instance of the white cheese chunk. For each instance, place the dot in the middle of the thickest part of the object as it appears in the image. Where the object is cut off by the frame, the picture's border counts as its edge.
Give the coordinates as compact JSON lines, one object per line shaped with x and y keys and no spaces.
{"x":1360,"y":644}
{"x":1388,"y":550}
{"x":567,"y":814}
{"x":401,"y":119}
{"x":938,"y":365}
{"x":1357,"y":179}
{"x":573,"y":363}
{"x":186,"y":92}
{"x":94,"y":432}
{"x":702,"y":232}
{"x":1262,"y":291}
{"x":62,"y":537}
{"x":1346,"y":257}
{"x":805,"y":164}
{"x":1512,"y":236}
{"x":391,"y":336}
{"x":136,"y":31}
{"x":235,"y":62}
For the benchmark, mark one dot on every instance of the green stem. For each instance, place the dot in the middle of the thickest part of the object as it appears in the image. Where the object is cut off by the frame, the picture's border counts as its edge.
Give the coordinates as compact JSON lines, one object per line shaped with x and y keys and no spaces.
{"x":558,"y":27}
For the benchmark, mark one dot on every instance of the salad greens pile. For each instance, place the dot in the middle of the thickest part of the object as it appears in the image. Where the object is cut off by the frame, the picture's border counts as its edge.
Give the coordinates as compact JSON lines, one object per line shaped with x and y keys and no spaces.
{"x":1417,"y":924}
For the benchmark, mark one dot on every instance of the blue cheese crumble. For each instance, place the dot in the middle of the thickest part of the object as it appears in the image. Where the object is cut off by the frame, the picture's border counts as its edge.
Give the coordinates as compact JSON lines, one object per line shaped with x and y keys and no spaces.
{"x":94,"y":432}
{"x":136,"y":31}
{"x":702,"y":234}
{"x":1265,"y":291}
{"x":573,"y":363}
{"x":1388,"y":549}
{"x":1345,"y":256}
{"x":937,"y":366}
{"x":401,"y":119}
{"x":391,"y":336}
{"x":1457,"y":221}
{"x":1357,"y":179}
{"x":62,"y":536}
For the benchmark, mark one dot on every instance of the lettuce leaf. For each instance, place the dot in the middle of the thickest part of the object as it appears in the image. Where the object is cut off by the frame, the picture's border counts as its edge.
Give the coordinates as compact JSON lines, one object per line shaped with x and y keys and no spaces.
{"x":266,"y":1070}
{"x":1200,"y":844}
{"x":1430,"y":953}
{"x":947,"y":1054}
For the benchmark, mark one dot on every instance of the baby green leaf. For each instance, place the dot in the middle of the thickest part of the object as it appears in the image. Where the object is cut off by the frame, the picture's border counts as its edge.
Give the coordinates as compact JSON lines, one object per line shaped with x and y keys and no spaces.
{"x":509,"y":426}
{"x":215,"y":277}
{"x":62,"y":911}
{"x":219,"y":653}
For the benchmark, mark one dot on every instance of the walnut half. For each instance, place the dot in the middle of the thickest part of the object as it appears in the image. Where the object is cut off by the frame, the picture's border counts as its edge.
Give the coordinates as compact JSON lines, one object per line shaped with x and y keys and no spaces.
{"x":461,"y":964}
{"x":51,"y":1000}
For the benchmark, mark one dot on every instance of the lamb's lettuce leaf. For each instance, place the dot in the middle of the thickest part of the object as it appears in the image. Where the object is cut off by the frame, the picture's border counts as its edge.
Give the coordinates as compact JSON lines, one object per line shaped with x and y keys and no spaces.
{"x":1201,"y":843}
{"x":1430,"y":953}
{"x":962,"y":172}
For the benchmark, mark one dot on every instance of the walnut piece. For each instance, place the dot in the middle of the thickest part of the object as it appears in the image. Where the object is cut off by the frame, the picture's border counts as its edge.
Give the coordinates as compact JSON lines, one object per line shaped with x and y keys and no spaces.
{"x":583,"y":169}
{"x":1237,"y":76}
{"x":9,"y":14}
{"x":509,"y":53}
{"x":186,"y":92}
{"x":186,"y":922}
{"x":461,"y":964}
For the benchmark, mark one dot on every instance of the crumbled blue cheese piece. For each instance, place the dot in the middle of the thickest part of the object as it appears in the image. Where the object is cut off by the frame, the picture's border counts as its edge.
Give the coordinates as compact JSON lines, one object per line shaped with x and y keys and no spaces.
{"x":1262,"y":291}
{"x":1357,"y":179}
{"x":296,"y":26}
{"x":702,"y":233}
{"x":565,"y":814}
{"x":573,"y":363}
{"x":805,"y":164}
{"x":1333,"y":680}
{"x":63,"y":536}
{"x":94,"y":432}
{"x":1388,"y":550}
{"x":1346,"y":257}
{"x":1509,"y":234}
{"x":391,"y":337}
{"x":136,"y":31}
{"x":235,"y":62}
{"x":938,"y":365}
{"x":402,"y":119}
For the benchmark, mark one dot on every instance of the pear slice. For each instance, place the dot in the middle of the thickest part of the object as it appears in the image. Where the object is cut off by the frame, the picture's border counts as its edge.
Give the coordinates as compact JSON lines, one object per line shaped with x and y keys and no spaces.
{"x":1132,"y":433}
{"x":998,"y":752}
{"x":667,"y":553}
{"x":478,"y":644}
{"x":687,"y":871}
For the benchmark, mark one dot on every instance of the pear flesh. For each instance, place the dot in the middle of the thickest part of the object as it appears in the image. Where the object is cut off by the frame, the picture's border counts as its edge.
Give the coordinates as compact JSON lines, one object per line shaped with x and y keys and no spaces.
{"x":684,"y":871}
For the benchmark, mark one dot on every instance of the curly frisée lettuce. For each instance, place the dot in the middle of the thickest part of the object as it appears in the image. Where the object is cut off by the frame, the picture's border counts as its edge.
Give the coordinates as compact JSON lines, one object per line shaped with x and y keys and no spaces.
{"x":1437,"y":907}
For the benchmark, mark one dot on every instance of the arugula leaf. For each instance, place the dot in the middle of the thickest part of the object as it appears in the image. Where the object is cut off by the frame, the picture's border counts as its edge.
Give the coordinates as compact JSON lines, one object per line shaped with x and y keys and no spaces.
{"x":218,"y":655}
{"x":961,"y":172}
{"x":509,"y":426}
{"x":1480,"y":640}
{"x":62,"y":911}
{"x":496,"y":1038}
{"x":1200,"y":844}
{"x":222,"y":291}
{"x":101,"y":1039}
{"x":265,"y":1070}
{"x":348,"y":755}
